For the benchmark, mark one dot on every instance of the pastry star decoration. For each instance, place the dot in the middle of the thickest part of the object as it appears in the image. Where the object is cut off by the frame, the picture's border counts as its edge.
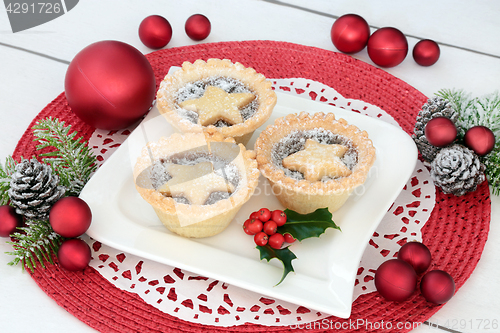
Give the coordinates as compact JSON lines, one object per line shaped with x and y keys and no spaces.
{"x":194,"y":182}
{"x":216,"y":104}
{"x":317,"y":160}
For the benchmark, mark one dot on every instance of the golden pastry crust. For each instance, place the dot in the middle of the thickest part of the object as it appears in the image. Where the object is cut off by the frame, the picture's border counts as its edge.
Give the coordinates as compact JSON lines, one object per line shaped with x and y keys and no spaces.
{"x":199,"y":70}
{"x":305,"y":196}
{"x":195,"y":220}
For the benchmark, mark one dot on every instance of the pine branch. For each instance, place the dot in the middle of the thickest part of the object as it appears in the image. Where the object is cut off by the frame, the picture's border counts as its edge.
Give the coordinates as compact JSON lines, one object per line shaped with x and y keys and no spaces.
{"x":492,"y":163}
{"x":72,"y":159}
{"x":36,"y":243}
{"x":5,"y":176}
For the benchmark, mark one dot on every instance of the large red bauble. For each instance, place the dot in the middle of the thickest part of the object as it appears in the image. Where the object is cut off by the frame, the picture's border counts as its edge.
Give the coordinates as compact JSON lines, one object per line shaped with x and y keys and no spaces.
{"x":387,"y":47}
{"x":70,"y":217}
{"x":440,"y":131}
{"x":9,"y":220}
{"x":395,"y":280}
{"x":350,"y":33}
{"x":74,"y":254}
{"x":110,"y":85}
{"x":426,"y":52}
{"x":155,"y":31}
{"x":437,"y":286}
{"x":480,"y":139}
{"x":417,"y":255}
{"x":198,"y":27}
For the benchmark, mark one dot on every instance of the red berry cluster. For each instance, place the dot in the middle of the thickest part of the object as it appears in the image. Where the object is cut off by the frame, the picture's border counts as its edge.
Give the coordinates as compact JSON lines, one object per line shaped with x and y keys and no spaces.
{"x":263,"y":225}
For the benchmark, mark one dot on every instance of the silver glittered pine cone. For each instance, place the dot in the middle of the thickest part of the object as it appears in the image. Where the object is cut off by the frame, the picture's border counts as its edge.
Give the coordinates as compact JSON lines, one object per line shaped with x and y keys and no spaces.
{"x":457,"y":170}
{"x":435,"y":107}
{"x":34,"y":189}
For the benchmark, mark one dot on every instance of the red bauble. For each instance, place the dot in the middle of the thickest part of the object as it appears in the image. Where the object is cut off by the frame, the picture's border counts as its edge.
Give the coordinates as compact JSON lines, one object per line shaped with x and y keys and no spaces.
{"x":426,"y":52}
{"x":387,"y":47}
{"x":198,"y":27}
{"x":9,"y":220}
{"x":395,"y":280}
{"x":350,"y":33}
{"x":70,"y":217}
{"x":110,"y":85}
{"x":155,"y":31}
{"x":74,"y":255}
{"x":440,"y":131}
{"x":480,"y":139}
{"x":417,"y":255}
{"x":437,"y":286}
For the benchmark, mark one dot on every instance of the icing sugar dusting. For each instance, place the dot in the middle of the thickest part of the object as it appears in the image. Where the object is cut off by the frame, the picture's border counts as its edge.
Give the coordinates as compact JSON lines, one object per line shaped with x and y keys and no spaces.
{"x":196,"y":89}
{"x":295,"y":142}
{"x":222,"y":167}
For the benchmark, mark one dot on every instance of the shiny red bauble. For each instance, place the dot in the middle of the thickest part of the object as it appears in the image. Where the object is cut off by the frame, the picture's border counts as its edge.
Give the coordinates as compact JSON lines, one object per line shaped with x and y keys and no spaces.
{"x":440,"y":131}
{"x":198,"y":27}
{"x":9,"y":220}
{"x":387,"y":47}
{"x":110,"y":85}
{"x":74,"y":255}
{"x":437,"y":286}
{"x":70,"y":217}
{"x":350,"y":33}
{"x":417,"y":255}
{"x":395,"y":280}
{"x":480,"y":139}
{"x":155,"y":31}
{"x":426,"y":52}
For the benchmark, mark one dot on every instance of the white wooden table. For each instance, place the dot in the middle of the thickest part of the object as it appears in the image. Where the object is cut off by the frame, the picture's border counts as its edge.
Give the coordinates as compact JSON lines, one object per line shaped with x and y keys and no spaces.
{"x":33,"y":64}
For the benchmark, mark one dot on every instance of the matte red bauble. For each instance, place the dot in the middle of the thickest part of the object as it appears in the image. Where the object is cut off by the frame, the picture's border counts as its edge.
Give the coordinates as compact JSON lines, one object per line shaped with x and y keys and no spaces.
{"x":155,"y":31}
{"x":70,"y":217}
{"x":74,"y":255}
{"x":426,"y":52}
{"x":198,"y":27}
{"x":9,"y":220}
{"x":110,"y":85}
{"x":350,"y":33}
{"x":387,"y":47}
{"x":395,"y":280}
{"x":437,"y":286}
{"x":440,"y":131}
{"x":480,"y":139}
{"x":417,"y":255}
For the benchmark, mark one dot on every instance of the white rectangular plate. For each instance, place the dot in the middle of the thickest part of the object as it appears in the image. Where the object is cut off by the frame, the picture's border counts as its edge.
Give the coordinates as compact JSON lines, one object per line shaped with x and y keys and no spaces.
{"x":326,"y":267}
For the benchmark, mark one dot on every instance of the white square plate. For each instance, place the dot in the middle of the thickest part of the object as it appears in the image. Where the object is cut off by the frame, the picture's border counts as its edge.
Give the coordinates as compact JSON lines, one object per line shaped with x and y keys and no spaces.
{"x":326,"y":267}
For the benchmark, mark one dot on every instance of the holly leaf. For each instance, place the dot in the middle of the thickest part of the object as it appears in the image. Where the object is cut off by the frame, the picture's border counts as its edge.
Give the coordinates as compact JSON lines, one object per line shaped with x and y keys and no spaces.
{"x":284,"y":255}
{"x":302,"y":226}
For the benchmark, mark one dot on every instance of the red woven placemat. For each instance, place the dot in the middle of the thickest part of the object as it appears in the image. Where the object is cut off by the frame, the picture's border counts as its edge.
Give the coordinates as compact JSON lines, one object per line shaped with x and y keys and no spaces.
{"x":455,"y":233}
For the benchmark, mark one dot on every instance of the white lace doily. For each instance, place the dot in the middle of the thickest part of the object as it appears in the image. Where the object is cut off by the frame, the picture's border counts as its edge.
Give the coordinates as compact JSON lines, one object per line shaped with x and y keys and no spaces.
{"x":203,"y":300}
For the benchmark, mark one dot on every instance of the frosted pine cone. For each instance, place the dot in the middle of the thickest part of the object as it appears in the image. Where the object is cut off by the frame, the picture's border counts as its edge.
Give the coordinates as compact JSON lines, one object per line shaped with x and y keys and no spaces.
{"x":456,"y":169}
{"x":435,"y":107}
{"x":34,"y":189}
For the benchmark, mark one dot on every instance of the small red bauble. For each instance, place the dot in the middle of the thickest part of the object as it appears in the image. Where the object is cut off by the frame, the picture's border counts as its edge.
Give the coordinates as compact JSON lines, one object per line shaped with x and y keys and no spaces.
{"x":70,"y":217}
{"x":417,"y":255}
{"x":437,"y":286}
{"x":9,"y":220}
{"x":350,"y":33}
{"x":395,"y":280}
{"x":426,"y":52}
{"x":74,"y":255}
{"x":480,"y":139}
{"x":110,"y":85}
{"x":198,"y":27}
{"x":155,"y":31}
{"x":387,"y":47}
{"x":440,"y":131}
